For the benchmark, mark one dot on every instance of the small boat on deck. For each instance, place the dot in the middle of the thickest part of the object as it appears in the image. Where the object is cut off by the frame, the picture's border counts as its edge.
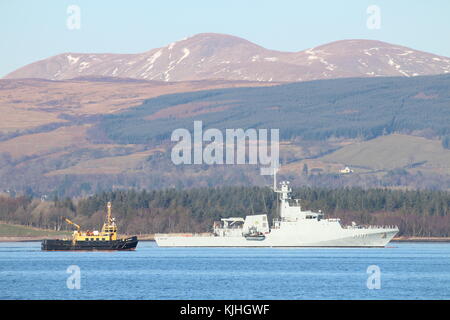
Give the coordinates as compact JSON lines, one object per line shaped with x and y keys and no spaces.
{"x":254,"y":234}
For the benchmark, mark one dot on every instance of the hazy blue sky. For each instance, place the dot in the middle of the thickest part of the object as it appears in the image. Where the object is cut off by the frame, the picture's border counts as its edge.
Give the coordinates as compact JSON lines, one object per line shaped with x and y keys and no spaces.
{"x":33,"y":30}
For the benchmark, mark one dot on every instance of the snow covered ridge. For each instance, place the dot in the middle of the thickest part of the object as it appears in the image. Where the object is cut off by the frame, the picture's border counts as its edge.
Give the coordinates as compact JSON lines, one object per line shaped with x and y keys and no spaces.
{"x":218,"y":56}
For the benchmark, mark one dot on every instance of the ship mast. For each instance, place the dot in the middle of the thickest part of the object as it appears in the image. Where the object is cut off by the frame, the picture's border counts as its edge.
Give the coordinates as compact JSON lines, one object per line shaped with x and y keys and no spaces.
{"x":275,"y":169}
{"x":109,"y":227}
{"x":109,"y":213}
{"x":275,"y":179}
{"x":283,"y":198}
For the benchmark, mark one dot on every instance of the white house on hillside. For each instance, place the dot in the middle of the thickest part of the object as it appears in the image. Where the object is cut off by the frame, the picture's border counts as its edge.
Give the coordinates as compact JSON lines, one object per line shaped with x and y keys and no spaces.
{"x":346,"y":170}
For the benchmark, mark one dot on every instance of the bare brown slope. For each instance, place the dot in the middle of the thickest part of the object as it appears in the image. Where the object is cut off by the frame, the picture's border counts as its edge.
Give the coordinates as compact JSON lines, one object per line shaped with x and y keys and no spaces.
{"x":28,"y":103}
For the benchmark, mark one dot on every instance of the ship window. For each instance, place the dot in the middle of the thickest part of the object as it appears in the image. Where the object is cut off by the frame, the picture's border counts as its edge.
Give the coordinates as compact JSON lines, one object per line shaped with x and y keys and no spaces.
{"x":103,"y":239}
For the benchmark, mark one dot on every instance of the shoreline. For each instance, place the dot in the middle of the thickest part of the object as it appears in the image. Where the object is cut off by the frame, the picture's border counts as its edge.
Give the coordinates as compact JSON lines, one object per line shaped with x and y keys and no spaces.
{"x":151,"y":237}
{"x":421,"y":239}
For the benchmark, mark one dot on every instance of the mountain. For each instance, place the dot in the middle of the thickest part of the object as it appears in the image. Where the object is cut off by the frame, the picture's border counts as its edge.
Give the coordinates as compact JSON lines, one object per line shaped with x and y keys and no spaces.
{"x":218,"y":56}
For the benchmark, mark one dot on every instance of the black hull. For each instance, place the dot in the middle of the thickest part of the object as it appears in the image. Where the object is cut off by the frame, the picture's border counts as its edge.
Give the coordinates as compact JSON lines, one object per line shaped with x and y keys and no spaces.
{"x":66,"y":245}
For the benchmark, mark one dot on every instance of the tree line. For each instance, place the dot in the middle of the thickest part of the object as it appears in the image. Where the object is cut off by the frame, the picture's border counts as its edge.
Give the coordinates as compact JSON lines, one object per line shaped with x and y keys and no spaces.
{"x":416,"y":212}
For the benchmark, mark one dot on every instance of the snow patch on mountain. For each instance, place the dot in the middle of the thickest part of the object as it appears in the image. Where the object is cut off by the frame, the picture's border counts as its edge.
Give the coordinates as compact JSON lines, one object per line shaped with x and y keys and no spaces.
{"x":171,"y":45}
{"x":408,"y":52}
{"x":72,"y":60}
{"x":186,"y":52}
{"x":83,"y":65}
{"x":174,"y":63}
{"x":154,"y":57}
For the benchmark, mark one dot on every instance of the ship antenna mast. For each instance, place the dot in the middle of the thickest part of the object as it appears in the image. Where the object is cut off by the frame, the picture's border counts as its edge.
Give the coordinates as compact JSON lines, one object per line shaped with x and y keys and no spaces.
{"x":109,"y":212}
{"x":278,"y":210}
{"x":275,"y":179}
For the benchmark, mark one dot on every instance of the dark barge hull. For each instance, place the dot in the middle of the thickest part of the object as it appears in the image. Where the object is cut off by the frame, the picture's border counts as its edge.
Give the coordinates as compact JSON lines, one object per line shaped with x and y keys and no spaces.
{"x":66,"y":245}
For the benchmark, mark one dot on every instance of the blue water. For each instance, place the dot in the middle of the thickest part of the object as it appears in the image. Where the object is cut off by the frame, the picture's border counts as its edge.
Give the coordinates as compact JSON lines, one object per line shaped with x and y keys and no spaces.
{"x":407,"y":271}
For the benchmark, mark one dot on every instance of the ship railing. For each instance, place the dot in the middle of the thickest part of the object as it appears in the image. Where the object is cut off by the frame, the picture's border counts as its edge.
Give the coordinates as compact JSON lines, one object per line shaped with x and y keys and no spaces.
{"x":372,"y":227}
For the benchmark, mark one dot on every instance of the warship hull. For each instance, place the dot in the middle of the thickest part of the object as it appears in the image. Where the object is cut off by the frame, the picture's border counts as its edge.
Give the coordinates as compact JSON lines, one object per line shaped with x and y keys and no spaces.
{"x":69,"y":245}
{"x":351,"y":238}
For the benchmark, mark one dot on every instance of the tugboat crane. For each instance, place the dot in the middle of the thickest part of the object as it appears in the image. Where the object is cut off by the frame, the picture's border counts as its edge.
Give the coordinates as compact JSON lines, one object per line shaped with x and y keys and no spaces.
{"x":72,"y":223}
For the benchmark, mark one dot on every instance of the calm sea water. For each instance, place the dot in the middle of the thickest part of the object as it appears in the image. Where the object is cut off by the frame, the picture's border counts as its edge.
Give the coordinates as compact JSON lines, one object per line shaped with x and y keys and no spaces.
{"x":408,"y":271}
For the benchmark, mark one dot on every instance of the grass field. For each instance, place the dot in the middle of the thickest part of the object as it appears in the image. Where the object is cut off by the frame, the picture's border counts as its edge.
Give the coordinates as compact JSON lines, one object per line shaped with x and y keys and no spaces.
{"x":394,"y":151}
{"x":12,"y":230}
{"x":108,"y":165}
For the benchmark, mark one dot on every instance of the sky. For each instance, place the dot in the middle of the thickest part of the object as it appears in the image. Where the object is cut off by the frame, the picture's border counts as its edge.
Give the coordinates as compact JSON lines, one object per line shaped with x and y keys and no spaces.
{"x":33,"y":30}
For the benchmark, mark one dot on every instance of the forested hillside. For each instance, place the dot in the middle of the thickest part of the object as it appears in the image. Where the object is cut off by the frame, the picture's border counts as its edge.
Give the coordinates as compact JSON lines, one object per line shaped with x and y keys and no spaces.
{"x":316,"y":110}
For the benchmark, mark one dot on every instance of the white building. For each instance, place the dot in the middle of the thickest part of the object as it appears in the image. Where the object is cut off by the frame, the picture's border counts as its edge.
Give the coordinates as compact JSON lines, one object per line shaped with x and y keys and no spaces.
{"x":346,"y":170}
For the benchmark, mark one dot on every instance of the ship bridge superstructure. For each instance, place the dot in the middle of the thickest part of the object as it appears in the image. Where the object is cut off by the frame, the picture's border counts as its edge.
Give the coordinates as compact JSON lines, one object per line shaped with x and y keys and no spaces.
{"x":290,"y":209}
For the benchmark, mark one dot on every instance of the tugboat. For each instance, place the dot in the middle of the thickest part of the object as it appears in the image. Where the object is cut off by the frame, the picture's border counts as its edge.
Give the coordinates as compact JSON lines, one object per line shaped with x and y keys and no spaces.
{"x":92,"y":240}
